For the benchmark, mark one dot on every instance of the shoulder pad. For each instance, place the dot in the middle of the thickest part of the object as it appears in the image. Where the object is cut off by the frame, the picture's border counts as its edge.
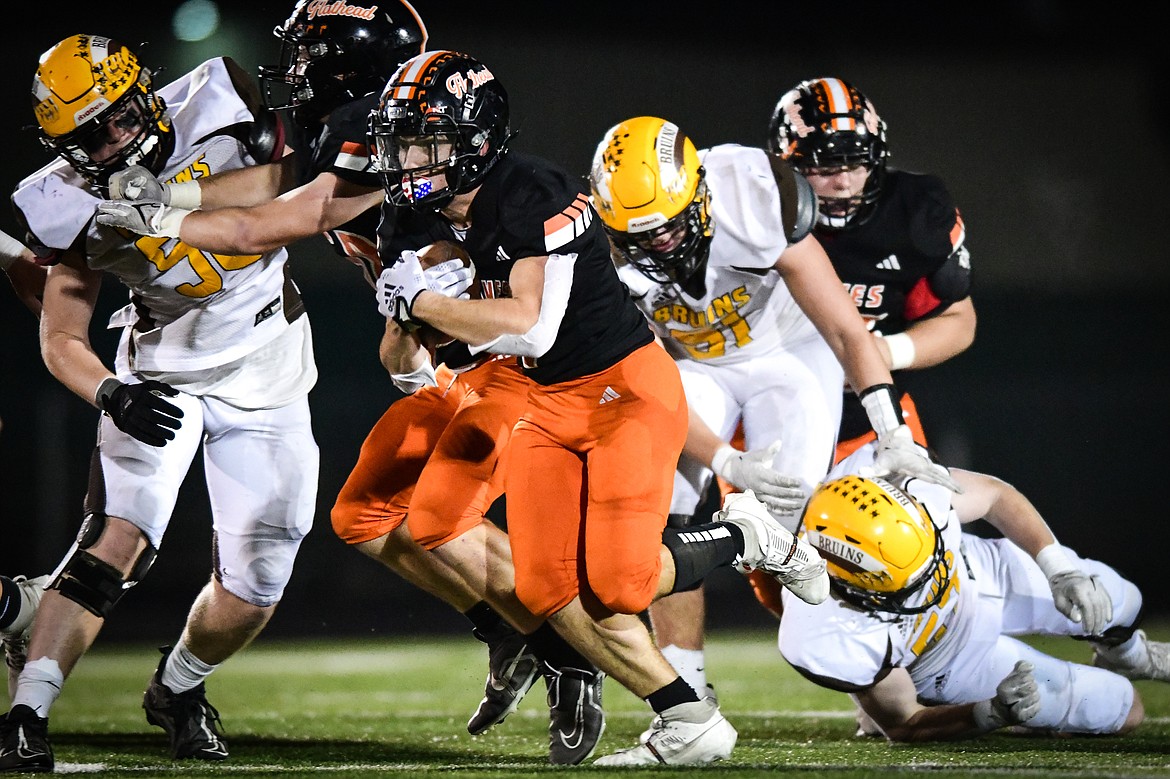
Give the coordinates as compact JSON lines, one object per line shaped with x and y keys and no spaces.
{"x":798,"y":202}
{"x":265,"y":141}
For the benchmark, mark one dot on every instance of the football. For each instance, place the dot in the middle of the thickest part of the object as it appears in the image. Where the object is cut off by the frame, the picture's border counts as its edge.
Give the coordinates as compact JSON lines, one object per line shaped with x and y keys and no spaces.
{"x":428,"y":257}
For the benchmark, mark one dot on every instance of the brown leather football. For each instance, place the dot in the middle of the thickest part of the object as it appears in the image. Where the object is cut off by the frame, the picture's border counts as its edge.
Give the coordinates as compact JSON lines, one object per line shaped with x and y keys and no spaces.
{"x":428,"y":257}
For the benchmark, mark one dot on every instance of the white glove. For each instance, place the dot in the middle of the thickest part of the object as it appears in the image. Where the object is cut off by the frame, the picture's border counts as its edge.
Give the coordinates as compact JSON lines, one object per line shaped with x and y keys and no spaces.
{"x":1076,"y":594}
{"x":144,"y":218}
{"x":753,"y":471}
{"x":898,"y":454}
{"x":138,"y":183}
{"x":405,"y":280}
{"x":1081,"y":598}
{"x":1017,"y":700}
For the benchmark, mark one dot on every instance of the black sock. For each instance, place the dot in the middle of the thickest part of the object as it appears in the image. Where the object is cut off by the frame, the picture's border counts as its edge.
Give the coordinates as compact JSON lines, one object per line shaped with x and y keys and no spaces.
{"x":9,"y":601}
{"x":547,"y":644}
{"x":488,"y":624}
{"x":672,"y":695}
{"x":700,"y":549}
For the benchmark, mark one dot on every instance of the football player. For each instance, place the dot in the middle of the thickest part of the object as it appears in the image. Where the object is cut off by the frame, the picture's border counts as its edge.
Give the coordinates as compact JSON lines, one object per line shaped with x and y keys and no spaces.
{"x":895,"y":238}
{"x":215,"y":354}
{"x":919,"y":629}
{"x":591,"y":458}
{"x":715,"y":247}
{"x":435,"y":452}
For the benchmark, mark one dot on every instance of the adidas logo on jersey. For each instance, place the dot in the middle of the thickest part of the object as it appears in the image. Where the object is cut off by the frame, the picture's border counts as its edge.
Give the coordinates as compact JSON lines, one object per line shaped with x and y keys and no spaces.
{"x":608,"y":395}
{"x":890,"y":263}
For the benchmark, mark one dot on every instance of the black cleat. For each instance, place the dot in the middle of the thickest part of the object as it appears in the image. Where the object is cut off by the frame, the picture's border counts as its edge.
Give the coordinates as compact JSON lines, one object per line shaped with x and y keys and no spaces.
{"x":24,"y":742}
{"x":575,"y":717}
{"x":512,"y":670}
{"x":191,"y":722}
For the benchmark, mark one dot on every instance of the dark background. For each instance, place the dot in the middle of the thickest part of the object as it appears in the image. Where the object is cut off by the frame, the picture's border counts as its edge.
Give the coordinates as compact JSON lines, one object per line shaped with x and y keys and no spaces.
{"x":1048,"y":124}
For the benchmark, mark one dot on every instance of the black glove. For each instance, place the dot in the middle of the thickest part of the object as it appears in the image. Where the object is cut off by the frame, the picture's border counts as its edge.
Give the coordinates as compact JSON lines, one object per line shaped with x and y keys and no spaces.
{"x":140,"y":411}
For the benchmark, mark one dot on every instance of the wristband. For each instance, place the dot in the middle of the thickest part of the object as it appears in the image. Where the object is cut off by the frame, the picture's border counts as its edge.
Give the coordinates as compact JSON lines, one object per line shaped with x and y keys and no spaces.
{"x":901,"y":347}
{"x":104,"y":390}
{"x":185,"y":194}
{"x":986,"y":719}
{"x":11,"y":250}
{"x":884,"y":414}
{"x":721,"y":457}
{"x":1053,"y":561}
{"x":169,"y":220}
{"x":410,"y":383}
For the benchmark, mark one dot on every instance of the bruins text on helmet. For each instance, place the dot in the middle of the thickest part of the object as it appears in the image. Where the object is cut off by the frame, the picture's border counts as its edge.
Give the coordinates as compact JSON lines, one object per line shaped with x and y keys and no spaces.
{"x":828,"y":123}
{"x":440,"y":125}
{"x":649,"y":189}
{"x":96,"y":107}
{"x":881,"y":545}
{"x":333,"y":52}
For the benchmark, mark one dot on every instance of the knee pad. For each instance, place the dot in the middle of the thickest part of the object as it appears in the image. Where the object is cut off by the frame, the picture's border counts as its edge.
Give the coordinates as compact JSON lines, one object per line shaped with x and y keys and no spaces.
{"x":92,"y":583}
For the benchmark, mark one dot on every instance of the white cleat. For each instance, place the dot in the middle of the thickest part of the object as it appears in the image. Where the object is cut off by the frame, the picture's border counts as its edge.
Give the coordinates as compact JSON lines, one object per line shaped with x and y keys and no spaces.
{"x":770,"y":547}
{"x":14,"y":639}
{"x":1153,"y":663}
{"x":673,"y":740}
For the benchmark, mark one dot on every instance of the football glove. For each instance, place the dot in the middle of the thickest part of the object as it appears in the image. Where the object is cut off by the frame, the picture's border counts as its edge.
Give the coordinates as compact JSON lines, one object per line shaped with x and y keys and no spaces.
{"x":1017,"y":700}
{"x":139,"y":410}
{"x":1083,"y":599}
{"x":138,"y":183}
{"x":401,"y":283}
{"x":897,"y":453}
{"x":142,"y":217}
{"x":753,"y":471}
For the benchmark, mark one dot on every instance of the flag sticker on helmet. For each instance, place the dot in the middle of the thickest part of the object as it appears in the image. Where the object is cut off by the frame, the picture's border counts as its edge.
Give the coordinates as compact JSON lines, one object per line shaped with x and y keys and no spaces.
{"x":568,"y":224}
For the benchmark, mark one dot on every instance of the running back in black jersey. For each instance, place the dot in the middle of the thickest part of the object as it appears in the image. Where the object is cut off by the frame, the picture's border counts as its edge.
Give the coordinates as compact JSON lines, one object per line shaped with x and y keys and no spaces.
{"x":341,"y":148}
{"x":908,"y":262}
{"x":529,"y":207}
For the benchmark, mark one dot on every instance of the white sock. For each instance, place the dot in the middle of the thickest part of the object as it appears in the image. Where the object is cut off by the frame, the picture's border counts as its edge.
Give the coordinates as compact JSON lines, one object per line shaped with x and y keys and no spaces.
{"x":39,"y":685}
{"x":183,"y":670}
{"x":1133,"y":654}
{"x":689,"y":664}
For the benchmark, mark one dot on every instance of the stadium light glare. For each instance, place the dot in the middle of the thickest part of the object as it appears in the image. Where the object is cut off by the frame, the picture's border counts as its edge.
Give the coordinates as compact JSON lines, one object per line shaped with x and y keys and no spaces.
{"x":195,"y":20}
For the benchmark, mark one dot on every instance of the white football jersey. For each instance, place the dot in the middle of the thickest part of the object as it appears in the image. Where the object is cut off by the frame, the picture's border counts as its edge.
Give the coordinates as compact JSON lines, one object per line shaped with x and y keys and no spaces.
{"x":835,"y":641}
{"x":190,"y":309}
{"x":746,"y":309}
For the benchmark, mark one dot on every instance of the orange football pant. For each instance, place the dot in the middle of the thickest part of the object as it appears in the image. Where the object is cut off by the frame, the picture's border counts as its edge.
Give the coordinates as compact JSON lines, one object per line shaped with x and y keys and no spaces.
{"x":766,"y":588}
{"x":590,"y":474}
{"x":436,"y":454}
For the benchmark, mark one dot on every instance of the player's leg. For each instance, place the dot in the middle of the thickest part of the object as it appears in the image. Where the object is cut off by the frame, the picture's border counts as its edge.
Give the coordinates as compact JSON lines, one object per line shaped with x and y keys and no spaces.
{"x":552,"y":469}
{"x":133,"y":488}
{"x":462,"y":479}
{"x":19,"y":598}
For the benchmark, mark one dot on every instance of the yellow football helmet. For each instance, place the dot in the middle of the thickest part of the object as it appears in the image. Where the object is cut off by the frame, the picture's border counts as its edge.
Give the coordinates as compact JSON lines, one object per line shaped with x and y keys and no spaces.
{"x":96,"y":107}
{"x":881,"y":545}
{"x":649,"y":189}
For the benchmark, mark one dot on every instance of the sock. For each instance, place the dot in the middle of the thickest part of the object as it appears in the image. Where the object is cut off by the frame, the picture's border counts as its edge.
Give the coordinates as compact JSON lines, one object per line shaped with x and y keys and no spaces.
{"x":1134,"y":653}
{"x":548,"y":645}
{"x":689,"y":664}
{"x":9,"y":603}
{"x":184,"y":671}
{"x":487,"y":622}
{"x":700,"y":549}
{"x":40,"y":685}
{"x":671,"y":695}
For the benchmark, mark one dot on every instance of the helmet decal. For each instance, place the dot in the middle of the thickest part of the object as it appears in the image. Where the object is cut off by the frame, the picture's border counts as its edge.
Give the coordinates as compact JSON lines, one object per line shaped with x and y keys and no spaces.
{"x":339,"y":8}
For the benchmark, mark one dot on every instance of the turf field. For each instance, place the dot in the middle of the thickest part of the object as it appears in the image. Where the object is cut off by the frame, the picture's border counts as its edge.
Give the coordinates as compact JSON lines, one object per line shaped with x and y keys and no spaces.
{"x":350,"y":708}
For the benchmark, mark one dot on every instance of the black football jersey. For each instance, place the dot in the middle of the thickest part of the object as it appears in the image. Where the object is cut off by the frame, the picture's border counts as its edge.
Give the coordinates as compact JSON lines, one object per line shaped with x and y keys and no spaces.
{"x":908,"y":261}
{"x":341,"y":148}
{"x":528,"y":207}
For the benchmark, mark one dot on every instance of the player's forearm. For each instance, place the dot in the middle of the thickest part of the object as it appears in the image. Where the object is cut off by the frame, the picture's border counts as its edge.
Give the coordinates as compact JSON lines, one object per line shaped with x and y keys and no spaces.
{"x":936,"y":723}
{"x":702,"y":443}
{"x":940,"y":338}
{"x":475,"y":321}
{"x":248,"y":186}
{"x":399,"y":351}
{"x":73,"y":362}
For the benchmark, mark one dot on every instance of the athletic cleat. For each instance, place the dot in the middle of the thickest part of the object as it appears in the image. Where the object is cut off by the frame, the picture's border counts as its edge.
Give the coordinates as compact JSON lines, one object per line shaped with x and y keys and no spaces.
{"x":1156,"y":665}
{"x":24,"y":742}
{"x":512,"y":670}
{"x":576,"y":719}
{"x":770,"y":547}
{"x":191,"y":722}
{"x":15,"y":641}
{"x":677,"y":741}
